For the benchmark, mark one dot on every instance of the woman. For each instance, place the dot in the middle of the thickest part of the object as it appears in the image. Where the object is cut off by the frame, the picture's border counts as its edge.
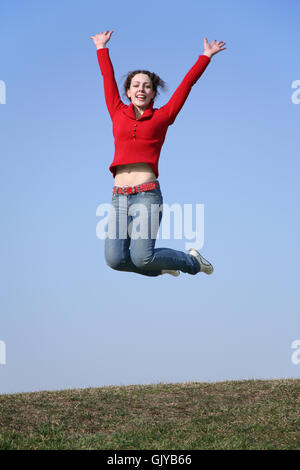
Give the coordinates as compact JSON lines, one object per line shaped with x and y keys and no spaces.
{"x":139,"y":131}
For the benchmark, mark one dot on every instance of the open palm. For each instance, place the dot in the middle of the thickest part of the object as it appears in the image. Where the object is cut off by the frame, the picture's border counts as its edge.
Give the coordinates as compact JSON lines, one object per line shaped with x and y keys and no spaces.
{"x":101,"y":39}
{"x":214,"y":47}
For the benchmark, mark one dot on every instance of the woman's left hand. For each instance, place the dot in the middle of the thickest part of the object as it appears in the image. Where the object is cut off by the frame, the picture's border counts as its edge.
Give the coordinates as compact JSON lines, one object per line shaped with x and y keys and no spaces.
{"x":213,"y":48}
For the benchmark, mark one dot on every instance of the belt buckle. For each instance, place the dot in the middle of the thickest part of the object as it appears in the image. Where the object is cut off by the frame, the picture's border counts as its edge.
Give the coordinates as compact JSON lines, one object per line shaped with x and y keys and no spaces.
{"x":131,"y":190}
{"x":125,"y":189}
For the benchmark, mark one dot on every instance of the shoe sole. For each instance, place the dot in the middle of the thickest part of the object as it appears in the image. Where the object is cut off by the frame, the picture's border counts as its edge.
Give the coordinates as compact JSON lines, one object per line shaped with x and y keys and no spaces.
{"x":202,"y":262}
{"x":174,"y":273}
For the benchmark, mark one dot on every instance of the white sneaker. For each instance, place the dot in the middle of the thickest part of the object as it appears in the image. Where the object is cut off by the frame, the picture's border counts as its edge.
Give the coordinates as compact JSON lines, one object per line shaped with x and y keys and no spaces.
{"x":170,"y":271}
{"x":205,"y":265}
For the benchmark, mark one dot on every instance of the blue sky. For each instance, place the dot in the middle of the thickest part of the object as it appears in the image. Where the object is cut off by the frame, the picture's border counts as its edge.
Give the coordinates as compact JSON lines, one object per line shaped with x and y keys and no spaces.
{"x":67,"y":319}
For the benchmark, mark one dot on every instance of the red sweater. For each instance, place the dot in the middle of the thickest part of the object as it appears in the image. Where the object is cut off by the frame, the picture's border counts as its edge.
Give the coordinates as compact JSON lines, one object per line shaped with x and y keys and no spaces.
{"x":143,"y":145}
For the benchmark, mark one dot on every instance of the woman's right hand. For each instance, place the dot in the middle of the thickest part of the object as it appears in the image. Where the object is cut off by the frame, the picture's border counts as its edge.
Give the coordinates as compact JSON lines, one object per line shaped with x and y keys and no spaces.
{"x":101,"y":39}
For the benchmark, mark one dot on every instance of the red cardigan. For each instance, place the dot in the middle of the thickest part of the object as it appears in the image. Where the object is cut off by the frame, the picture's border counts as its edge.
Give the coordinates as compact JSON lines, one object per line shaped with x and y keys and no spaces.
{"x":141,"y":140}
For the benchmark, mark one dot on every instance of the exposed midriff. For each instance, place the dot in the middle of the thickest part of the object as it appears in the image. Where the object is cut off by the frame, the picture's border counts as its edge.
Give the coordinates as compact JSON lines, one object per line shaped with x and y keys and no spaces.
{"x":133,"y":174}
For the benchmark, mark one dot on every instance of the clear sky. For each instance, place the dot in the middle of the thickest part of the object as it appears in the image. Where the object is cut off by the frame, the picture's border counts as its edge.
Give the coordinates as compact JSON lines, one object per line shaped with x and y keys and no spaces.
{"x":67,"y":319}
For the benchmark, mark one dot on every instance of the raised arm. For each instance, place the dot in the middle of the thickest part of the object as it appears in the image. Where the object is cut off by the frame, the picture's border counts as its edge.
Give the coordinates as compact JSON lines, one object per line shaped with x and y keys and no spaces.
{"x":180,"y":95}
{"x":111,"y":92}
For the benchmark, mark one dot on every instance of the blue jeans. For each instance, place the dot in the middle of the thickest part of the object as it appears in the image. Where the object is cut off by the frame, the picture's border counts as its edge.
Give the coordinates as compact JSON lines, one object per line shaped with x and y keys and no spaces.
{"x":133,"y":224}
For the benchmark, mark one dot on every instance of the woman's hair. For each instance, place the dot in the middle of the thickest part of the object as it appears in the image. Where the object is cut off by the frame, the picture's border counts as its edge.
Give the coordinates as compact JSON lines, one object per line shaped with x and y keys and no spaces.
{"x":155,"y":79}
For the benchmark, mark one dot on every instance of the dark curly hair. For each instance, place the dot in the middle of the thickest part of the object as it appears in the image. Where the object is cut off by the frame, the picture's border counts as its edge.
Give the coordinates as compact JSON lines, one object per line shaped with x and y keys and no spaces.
{"x":155,"y":79}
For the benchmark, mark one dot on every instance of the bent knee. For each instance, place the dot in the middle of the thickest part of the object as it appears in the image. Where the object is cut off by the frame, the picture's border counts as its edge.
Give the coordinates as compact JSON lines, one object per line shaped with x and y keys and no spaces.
{"x":114,"y":255}
{"x":140,"y":261}
{"x":114,"y":261}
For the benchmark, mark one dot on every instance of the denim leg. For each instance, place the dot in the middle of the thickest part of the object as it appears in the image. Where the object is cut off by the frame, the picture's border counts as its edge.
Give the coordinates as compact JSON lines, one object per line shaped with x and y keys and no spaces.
{"x":117,"y":243}
{"x":143,"y":253}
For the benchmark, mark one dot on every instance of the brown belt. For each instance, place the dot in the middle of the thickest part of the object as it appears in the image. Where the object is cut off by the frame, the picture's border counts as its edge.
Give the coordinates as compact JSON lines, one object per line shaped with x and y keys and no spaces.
{"x":135,"y":189}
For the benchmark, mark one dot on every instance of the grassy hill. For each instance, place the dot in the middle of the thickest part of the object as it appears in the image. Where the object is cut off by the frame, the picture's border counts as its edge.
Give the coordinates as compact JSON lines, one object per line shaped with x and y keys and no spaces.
{"x":248,"y":414}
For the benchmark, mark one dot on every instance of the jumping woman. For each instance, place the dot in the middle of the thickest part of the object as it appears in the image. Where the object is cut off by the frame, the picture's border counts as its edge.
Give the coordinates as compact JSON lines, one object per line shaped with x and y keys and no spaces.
{"x":139,"y":131}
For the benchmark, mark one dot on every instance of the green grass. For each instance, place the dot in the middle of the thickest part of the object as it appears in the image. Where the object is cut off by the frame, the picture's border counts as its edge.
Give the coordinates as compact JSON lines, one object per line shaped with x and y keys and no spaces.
{"x":248,"y":414}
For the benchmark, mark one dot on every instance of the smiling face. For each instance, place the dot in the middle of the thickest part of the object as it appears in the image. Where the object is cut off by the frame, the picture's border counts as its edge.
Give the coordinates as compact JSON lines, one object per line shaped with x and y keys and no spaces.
{"x":141,"y":91}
